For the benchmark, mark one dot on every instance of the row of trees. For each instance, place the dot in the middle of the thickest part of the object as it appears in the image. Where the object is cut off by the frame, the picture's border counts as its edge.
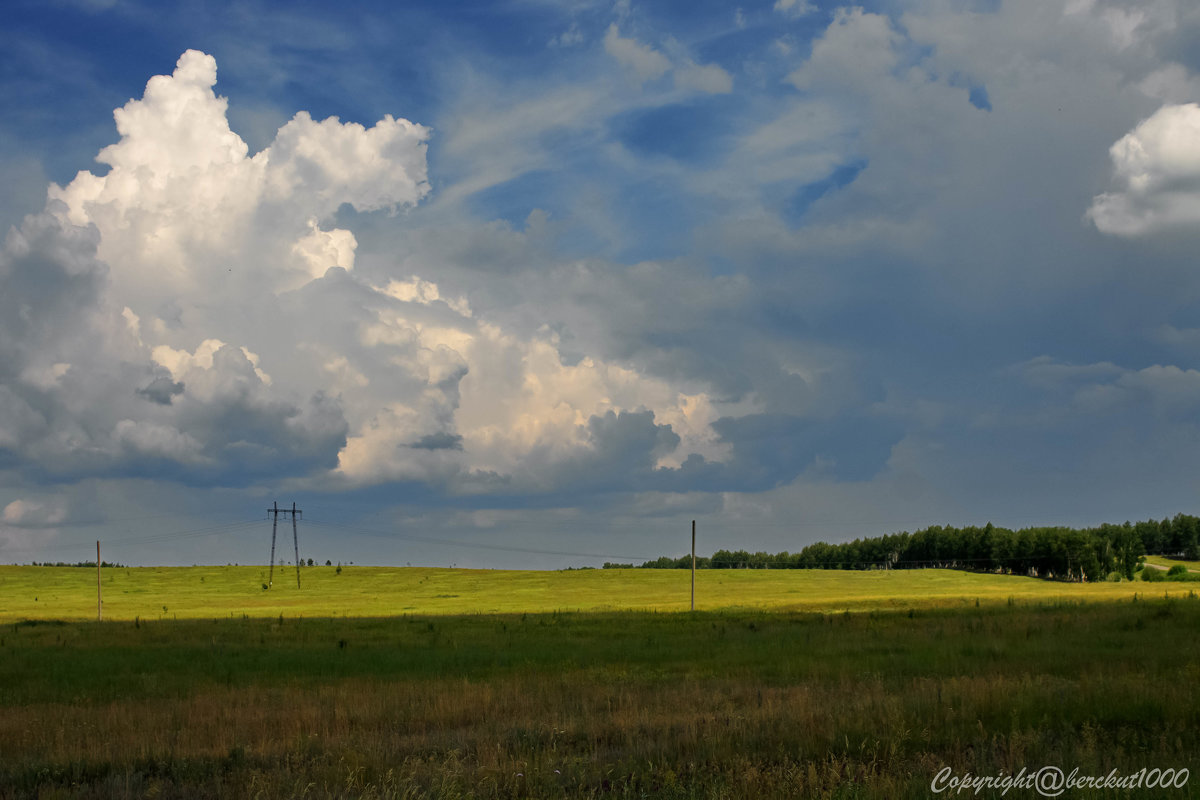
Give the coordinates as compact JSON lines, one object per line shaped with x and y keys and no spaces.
{"x":1048,"y":552}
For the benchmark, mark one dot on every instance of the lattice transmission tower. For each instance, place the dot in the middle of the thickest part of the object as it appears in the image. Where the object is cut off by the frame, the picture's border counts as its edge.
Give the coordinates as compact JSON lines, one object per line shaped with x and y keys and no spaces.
{"x":274,"y":511}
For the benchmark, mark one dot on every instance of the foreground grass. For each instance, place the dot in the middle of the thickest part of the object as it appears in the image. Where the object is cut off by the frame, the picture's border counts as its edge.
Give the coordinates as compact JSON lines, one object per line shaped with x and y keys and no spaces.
{"x":714,"y":704}
{"x":148,"y":593}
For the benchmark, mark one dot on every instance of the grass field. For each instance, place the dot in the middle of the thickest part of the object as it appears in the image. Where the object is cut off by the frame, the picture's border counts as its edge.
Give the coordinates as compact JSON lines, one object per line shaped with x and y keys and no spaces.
{"x":1170,"y":562}
{"x":69,"y":593}
{"x":763,"y":698}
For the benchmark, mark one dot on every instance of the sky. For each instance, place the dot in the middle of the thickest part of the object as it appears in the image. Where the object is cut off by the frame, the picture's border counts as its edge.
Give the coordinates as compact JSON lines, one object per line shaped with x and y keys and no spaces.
{"x":537,"y":283}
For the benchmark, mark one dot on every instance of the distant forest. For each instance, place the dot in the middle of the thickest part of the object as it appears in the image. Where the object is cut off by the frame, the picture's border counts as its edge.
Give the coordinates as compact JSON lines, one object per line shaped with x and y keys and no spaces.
{"x":1091,"y":554}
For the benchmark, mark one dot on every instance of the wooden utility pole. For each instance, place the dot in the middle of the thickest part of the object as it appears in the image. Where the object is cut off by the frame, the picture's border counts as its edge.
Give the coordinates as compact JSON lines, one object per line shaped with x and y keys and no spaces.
{"x":693,"y":565}
{"x":296,"y":544}
{"x":274,"y":512}
{"x":99,"y":601}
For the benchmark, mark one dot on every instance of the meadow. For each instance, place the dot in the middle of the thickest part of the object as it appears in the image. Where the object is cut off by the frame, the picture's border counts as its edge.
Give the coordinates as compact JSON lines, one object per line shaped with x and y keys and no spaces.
{"x":1165,"y":562}
{"x":803,"y":684}
{"x":69,"y":593}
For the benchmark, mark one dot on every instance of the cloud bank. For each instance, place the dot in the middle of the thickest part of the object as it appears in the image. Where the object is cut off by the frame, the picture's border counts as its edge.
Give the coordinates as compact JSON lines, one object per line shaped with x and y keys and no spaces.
{"x":194,"y":313}
{"x":773,"y":264}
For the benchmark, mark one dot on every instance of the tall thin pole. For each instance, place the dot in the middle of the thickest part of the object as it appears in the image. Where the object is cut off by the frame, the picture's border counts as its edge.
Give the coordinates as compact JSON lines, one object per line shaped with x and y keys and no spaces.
{"x":693,"y":565}
{"x":296,"y":544}
{"x":274,"y":521}
{"x":99,"y":602}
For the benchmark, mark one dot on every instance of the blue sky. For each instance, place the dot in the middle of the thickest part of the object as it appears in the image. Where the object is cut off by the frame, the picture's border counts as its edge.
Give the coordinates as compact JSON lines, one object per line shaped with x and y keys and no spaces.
{"x":537,"y":283}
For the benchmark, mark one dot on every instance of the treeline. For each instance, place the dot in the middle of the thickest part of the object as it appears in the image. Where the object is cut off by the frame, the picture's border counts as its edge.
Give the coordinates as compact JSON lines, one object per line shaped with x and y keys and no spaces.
{"x":91,"y":564}
{"x":1058,"y":553}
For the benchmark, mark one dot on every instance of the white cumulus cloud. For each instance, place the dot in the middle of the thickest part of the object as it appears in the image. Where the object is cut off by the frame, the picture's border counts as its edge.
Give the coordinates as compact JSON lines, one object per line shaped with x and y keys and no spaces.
{"x":1156,"y":167}
{"x":182,"y":194}
{"x":195,"y":313}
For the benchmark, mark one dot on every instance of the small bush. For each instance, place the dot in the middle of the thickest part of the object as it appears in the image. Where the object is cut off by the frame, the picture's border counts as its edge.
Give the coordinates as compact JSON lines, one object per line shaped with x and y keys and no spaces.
{"x":1152,"y":575}
{"x":1177,"y":569}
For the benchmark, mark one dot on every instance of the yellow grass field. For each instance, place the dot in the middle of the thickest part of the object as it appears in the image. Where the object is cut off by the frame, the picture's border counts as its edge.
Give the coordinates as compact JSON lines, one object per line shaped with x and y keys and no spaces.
{"x":69,"y":593}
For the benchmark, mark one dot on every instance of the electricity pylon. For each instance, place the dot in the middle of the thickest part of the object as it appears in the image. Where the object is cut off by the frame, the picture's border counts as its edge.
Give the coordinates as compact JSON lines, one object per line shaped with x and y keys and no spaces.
{"x":295,"y":514}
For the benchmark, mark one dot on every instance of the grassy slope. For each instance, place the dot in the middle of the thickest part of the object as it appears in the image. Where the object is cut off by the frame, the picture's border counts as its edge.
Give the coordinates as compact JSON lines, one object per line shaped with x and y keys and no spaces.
{"x":208,"y":592}
{"x":1170,"y":562}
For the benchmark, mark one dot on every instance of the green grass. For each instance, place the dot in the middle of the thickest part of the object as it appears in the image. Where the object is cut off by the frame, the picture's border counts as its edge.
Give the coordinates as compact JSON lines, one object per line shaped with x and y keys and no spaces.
{"x":394,"y":683}
{"x":1170,"y":562}
{"x":69,"y":593}
{"x":632,"y":704}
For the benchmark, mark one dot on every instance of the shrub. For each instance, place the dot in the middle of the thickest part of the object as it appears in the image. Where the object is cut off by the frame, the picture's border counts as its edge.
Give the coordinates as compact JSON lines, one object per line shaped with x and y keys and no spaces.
{"x":1152,"y":575}
{"x":1177,"y":569}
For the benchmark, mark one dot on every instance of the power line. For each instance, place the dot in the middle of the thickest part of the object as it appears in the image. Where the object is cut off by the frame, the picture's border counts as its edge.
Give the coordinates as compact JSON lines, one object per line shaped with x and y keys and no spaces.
{"x":408,"y":537}
{"x":212,"y":530}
